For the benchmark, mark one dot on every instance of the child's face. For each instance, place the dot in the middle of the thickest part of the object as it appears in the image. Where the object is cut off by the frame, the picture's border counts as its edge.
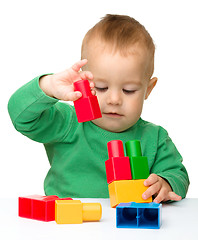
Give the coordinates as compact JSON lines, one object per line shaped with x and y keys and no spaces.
{"x":121,"y":87}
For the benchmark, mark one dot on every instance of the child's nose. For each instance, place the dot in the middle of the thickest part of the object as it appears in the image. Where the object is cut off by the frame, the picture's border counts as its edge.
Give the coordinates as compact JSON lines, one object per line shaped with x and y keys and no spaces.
{"x":114,"y":98}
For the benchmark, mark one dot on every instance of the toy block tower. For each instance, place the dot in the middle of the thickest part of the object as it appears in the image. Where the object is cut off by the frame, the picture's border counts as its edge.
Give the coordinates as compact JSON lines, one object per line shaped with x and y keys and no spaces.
{"x":87,"y":107}
{"x":123,"y":187}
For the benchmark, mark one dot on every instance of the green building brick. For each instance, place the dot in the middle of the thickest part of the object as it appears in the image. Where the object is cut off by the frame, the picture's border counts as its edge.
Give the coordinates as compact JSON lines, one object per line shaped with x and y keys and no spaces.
{"x":139,"y":164}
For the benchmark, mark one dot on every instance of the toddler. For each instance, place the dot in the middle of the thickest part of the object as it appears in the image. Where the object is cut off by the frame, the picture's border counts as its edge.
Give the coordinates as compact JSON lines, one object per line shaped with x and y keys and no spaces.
{"x":118,"y":60}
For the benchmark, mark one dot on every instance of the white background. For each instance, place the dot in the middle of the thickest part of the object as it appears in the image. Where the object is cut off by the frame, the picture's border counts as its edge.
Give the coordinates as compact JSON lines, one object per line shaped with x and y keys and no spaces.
{"x":44,"y":36}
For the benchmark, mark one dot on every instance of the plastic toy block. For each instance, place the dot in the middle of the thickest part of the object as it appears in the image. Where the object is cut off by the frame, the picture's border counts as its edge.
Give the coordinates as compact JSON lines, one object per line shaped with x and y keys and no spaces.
{"x":72,"y":212}
{"x":38,"y":207}
{"x":117,"y":166}
{"x":139,"y":164}
{"x":125,"y":191}
{"x":87,"y":107}
{"x":138,"y":215}
{"x":25,"y":205}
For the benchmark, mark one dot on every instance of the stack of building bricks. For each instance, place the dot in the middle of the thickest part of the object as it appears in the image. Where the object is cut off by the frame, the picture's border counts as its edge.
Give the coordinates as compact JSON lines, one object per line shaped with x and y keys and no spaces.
{"x":125,"y":178}
{"x":126,"y":174}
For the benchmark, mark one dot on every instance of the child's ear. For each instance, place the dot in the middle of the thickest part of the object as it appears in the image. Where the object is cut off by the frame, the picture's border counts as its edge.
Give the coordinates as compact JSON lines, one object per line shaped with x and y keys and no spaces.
{"x":151,"y":85}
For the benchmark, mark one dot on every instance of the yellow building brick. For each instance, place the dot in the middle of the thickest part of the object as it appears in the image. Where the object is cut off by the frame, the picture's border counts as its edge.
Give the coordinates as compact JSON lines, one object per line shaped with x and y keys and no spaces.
{"x":127,"y":191}
{"x":68,"y":211}
{"x":74,"y":211}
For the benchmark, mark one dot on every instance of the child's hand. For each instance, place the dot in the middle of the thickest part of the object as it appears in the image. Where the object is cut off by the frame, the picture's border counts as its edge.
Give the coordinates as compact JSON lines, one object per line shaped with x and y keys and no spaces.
{"x":160,"y":189}
{"x":60,"y":85}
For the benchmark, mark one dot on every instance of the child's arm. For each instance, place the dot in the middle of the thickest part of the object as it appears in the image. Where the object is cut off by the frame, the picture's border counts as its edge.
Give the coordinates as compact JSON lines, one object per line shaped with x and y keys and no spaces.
{"x":169,"y":178}
{"x":36,"y":112}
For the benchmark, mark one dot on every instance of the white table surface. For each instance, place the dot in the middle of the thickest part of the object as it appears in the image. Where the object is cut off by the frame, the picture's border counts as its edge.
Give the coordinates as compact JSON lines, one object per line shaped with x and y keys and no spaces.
{"x":179,"y":221}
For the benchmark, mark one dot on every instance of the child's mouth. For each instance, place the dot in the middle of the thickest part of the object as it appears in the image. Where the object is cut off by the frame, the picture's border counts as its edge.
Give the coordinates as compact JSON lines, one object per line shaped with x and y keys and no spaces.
{"x":113,"y":115}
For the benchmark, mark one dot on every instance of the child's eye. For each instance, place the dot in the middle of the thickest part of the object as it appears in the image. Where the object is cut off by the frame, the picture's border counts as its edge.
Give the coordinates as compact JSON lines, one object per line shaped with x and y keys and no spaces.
{"x":100,"y":89}
{"x":128,"y":91}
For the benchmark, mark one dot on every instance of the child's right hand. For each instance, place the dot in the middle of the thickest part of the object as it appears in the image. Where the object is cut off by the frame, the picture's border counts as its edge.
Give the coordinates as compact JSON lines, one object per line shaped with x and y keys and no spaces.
{"x":159,"y":188}
{"x":60,"y":85}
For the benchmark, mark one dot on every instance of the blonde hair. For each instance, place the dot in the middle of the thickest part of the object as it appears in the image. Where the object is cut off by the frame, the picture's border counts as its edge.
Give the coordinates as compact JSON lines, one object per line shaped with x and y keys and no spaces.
{"x":120,"y":33}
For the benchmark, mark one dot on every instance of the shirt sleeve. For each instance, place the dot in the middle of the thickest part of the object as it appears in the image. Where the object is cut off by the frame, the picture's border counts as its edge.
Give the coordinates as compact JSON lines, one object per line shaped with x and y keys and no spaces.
{"x":38,"y":116}
{"x":168,"y":165}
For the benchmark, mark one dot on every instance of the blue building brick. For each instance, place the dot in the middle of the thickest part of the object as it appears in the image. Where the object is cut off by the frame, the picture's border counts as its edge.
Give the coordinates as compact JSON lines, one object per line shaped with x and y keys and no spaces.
{"x":138,"y":215}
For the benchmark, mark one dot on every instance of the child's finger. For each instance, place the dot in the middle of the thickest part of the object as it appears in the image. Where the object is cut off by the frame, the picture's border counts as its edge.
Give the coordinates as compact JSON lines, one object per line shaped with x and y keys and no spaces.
{"x":151,"y":190}
{"x":92,"y":85}
{"x":93,"y":92}
{"x":174,"y":197}
{"x":86,"y":75}
{"x":77,"y":66}
{"x":153,"y":178}
{"x":72,"y":96}
{"x":161,"y":196}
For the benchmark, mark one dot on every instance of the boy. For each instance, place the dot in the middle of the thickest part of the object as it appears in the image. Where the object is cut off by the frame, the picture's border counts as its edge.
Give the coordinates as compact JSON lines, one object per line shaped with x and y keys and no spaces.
{"x":118,"y":59}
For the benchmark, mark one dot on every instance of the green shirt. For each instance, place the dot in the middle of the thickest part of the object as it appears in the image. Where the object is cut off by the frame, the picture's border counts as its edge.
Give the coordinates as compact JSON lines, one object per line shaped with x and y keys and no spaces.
{"x":77,"y":151}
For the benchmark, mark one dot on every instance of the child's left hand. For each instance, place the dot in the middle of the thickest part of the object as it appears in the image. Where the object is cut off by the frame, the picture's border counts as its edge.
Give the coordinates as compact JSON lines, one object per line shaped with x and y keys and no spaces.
{"x":160,"y":188}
